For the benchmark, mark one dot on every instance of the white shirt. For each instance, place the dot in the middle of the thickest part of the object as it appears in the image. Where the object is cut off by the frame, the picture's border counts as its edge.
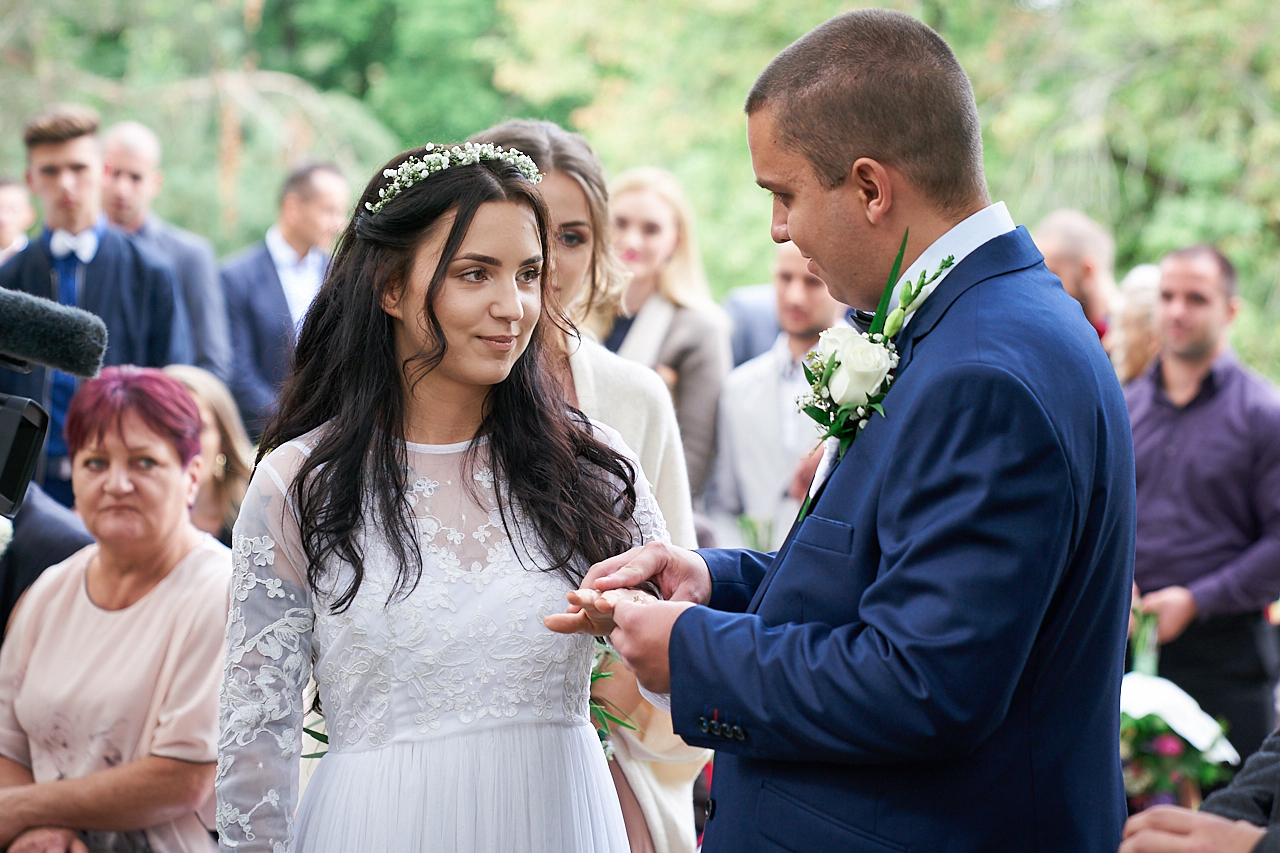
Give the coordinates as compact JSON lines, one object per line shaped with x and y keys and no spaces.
{"x":960,"y":242}
{"x":300,"y":275}
{"x":795,"y":427}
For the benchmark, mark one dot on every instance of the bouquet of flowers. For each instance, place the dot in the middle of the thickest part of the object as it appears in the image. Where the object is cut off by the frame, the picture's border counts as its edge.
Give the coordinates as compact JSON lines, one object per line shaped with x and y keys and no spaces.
{"x":1169,"y":748}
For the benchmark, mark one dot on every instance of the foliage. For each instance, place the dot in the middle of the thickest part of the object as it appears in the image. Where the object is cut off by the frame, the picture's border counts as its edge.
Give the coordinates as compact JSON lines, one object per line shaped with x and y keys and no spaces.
{"x":1104,"y":105}
{"x":1157,"y":117}
{"x":425,"y":69}
{"x":757,"y":533}
{"x":230,"y":130}
{"x":1144,"y":642}
{"x":1160,"y":118}
{"x":601,"y":716}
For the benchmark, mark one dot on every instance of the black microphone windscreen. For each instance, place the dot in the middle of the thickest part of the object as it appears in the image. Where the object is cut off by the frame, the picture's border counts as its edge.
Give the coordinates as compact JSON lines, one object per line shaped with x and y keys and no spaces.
{"x":33,"y":329}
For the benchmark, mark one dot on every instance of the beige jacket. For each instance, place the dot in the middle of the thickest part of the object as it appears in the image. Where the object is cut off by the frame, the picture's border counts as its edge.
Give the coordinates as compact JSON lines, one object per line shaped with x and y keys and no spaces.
{"x":694,"y":344}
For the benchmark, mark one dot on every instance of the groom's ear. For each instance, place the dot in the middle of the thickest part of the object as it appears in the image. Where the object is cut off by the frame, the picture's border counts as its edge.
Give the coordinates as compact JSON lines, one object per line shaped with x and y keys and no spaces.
{"x":872,"y":184}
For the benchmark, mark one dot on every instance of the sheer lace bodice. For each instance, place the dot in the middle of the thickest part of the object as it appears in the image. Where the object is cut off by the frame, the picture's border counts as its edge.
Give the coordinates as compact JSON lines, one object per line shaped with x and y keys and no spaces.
{"x":464,"y":651}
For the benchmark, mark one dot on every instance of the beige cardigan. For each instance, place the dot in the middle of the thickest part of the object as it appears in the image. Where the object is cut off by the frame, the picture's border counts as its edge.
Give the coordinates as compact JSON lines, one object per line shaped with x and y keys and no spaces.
{"x":634,"y":400}
{"x":659,"y":766}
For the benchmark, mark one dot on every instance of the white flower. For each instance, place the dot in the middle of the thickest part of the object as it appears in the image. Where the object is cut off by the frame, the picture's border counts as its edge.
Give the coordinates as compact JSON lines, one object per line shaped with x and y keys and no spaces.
{"x":863,"y":365}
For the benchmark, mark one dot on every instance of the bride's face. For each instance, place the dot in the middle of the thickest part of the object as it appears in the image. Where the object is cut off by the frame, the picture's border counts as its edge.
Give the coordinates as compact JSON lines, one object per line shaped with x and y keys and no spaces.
{"x":488,"y":302}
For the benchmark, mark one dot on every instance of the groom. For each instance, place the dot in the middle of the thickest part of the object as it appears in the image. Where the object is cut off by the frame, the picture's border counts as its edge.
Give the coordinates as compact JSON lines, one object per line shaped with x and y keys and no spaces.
{"x":932,"y":660}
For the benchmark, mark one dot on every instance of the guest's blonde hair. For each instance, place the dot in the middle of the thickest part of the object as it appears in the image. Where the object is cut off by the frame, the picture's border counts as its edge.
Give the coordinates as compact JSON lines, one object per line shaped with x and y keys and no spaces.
{"x":682,"y":279}
{"x":231,"y":477}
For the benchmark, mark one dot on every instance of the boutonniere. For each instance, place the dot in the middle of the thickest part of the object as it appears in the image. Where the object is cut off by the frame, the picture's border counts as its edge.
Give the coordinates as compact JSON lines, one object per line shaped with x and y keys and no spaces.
{"x":850,"y":372}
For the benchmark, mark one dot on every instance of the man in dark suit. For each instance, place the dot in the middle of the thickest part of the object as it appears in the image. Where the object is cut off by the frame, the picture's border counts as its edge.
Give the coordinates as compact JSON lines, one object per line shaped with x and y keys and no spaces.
{"x":81,"y":261}
{"x":932,"y":660}
{"x":132,"y":183}
{"x":44,"y":533}
{"x":269,"y":286}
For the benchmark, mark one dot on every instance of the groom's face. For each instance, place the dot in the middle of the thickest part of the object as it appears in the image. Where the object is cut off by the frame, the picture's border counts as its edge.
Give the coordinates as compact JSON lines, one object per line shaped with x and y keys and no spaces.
{"x":823,"y":223}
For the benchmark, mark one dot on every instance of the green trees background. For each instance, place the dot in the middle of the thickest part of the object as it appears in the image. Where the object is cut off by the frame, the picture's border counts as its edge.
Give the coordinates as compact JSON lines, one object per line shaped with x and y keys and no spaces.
{"x":1160,"y":118}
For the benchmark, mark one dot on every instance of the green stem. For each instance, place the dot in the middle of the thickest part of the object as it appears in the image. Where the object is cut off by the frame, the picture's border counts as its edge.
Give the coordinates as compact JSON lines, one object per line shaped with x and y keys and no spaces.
{"x":882,"y":310}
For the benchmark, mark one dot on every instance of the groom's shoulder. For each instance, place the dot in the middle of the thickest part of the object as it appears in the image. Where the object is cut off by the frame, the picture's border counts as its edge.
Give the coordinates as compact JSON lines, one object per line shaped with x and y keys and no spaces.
{"x":1022,"y":319}
{"x":1019,"y":322}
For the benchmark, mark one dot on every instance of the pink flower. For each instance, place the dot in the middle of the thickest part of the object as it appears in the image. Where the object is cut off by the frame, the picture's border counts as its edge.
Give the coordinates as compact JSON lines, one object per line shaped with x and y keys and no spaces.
{"x":1167,"y":744}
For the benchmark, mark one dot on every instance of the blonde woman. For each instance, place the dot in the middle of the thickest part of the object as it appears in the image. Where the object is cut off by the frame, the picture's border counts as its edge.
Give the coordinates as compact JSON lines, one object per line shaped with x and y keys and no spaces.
{"x":653,"y":769}
{"x":225,"y":452}
{"x":668,"y":320}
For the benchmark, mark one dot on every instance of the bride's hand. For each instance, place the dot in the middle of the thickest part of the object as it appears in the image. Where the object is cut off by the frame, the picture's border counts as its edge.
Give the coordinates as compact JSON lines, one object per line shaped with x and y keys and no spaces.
{"x":591,"y":612}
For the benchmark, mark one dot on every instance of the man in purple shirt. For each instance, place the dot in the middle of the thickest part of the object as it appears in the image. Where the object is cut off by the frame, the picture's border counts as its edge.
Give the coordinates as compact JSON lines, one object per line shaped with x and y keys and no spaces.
{"x":1206,"y":434}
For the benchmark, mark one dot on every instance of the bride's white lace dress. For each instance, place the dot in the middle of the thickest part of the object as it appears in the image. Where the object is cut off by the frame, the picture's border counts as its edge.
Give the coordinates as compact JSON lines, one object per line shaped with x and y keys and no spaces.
{"x":456,"y":720}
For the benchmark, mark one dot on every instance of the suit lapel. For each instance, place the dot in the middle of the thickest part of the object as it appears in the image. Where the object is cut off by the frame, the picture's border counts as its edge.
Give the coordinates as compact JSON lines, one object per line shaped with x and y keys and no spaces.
{"x":1007,"y":253}
{"x":270,"y":296}
{"x":109,"y":290}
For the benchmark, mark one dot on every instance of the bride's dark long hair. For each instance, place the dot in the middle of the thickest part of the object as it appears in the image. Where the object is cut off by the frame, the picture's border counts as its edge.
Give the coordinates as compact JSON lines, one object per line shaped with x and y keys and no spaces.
{"x":577,"y":492}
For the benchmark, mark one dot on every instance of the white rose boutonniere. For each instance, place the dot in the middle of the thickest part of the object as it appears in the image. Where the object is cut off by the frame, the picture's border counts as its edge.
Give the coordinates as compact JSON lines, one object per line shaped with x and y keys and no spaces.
{"x":861,"y":365}
{"x":850,"y":372}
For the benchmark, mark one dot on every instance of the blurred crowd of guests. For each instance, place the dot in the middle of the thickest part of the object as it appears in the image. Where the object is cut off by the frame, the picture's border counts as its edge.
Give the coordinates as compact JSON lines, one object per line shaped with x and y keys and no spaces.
{"x":109,"y":670}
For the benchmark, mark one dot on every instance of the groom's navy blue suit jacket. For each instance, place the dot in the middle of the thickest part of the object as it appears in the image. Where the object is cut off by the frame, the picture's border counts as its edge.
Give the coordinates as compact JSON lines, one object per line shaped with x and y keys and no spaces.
{"x":932,"y":660}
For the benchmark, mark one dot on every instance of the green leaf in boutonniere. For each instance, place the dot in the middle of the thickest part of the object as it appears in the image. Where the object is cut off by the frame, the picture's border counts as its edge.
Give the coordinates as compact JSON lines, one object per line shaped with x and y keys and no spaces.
{"x":849,"y":373}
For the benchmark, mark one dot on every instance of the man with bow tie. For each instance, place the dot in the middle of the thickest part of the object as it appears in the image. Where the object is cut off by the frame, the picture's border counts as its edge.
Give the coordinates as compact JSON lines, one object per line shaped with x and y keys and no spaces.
{"x":80,"y":261}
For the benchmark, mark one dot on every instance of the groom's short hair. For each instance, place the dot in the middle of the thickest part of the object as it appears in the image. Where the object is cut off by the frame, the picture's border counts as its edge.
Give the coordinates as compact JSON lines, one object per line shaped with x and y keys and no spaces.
{"x":878,"y":83}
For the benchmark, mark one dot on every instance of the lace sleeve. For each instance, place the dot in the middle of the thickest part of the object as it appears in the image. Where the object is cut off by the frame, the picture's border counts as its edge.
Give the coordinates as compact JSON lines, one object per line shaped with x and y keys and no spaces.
{"x":268,"y":663}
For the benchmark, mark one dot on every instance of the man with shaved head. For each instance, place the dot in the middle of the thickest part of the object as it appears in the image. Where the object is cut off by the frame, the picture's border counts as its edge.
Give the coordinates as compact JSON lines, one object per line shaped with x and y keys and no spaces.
{"x":932,"y":659}
{"x":133,"y":180}
{"x":1081,"y":253}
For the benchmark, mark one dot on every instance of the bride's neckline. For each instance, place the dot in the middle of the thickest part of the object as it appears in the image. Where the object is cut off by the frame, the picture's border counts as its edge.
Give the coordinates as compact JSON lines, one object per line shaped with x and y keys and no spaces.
{"x":456,"y":447}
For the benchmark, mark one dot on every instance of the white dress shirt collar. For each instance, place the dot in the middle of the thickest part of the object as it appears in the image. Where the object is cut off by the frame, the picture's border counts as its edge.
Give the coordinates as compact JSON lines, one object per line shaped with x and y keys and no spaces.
{"x":300,"y":275}
{"x":960,"y":242}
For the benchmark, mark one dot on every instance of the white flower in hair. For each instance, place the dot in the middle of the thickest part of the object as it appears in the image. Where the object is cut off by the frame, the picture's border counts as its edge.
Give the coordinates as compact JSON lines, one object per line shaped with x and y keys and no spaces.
{"x":415,"y":169}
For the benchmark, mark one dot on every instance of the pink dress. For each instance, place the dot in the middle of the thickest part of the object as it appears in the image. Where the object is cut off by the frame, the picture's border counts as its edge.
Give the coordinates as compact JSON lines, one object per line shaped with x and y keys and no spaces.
{"x":83,"y":689}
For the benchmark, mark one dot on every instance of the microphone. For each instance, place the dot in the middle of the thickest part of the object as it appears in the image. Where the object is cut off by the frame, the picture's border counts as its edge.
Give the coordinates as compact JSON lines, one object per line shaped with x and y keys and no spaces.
{"x":34,"y":330}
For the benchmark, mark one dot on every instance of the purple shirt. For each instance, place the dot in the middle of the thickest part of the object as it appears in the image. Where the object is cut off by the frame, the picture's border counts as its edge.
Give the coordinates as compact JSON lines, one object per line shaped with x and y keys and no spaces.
{"x":1209,"y":488}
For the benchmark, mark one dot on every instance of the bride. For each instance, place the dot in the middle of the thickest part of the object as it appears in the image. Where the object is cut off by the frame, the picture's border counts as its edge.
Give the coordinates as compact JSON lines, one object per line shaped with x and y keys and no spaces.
{"x":425,"y":504}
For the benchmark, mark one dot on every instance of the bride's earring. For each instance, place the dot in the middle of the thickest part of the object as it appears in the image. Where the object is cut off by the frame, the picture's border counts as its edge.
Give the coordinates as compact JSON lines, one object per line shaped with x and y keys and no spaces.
{"x":220,"y":467}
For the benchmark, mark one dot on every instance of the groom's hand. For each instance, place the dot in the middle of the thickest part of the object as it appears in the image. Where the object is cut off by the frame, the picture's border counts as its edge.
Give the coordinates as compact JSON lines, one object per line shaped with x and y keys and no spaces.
{"x":642,"y":636}
{"x":681,"y":574}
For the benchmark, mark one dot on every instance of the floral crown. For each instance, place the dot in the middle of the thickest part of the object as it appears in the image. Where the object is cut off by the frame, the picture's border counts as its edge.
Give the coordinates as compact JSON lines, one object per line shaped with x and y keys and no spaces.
{"x":415,"y":169}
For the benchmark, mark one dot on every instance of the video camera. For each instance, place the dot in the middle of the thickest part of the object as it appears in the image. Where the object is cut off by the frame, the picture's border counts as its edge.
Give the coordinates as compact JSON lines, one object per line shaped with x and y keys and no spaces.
{"x":38,"y":331}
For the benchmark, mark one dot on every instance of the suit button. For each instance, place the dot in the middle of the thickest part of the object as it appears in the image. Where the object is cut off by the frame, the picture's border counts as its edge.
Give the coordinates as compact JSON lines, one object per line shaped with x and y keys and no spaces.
{"x":715,"y":728}
{"x":703,"y":724}
{"x":710,"y":808}
{"x":739,"y":732}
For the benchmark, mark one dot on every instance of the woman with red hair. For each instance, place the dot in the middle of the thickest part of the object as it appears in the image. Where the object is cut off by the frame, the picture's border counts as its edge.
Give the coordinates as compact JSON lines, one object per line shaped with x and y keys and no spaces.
{"x":109,"y":674}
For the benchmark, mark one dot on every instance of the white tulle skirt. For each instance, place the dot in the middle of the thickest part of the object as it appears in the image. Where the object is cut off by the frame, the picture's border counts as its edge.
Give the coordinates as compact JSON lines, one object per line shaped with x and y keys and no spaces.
{"x":514,"y":789}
